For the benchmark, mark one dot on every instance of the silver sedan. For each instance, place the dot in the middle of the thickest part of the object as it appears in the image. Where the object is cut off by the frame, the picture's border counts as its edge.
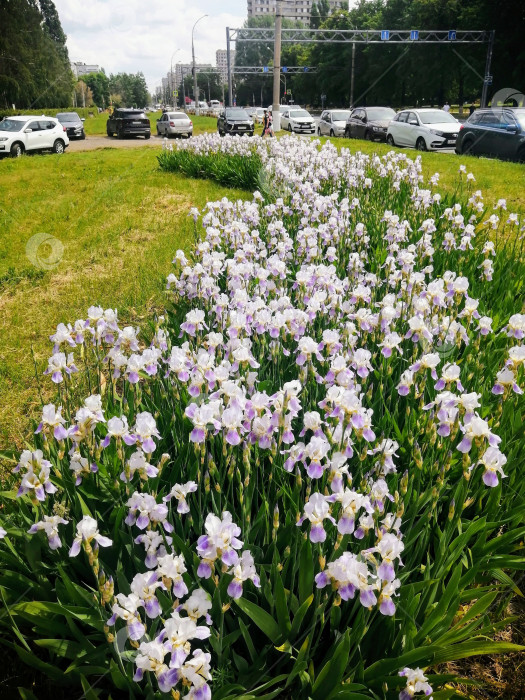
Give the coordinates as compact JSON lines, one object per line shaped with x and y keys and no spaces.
{"x":333,"y":122}
{"x":174,"y":124}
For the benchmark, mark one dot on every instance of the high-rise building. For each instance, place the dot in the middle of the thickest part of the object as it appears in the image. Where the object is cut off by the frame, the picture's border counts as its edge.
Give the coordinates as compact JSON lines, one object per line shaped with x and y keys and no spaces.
{"x":293,"y":9}
{"x":221,"y":59}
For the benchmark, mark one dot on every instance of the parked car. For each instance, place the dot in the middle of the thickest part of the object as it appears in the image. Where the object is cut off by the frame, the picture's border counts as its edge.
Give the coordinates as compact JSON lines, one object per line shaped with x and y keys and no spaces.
{"x":259,"y":115}
{"x":234,"y":120}
{"x":333,"y":122}
{"x":426,"y":129}
{"x":73,"y":123}
{"x":297,"y":120}
{"x":369,"y":123}
{"x":174,"y":124}
{"x":498,"y":132}
{"x":128,"y":122}
{"x":30,"y":133}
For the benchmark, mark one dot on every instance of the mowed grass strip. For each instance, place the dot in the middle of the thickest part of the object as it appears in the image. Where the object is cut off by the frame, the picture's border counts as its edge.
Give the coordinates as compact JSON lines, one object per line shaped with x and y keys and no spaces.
{"x":96,"y":125}
{"x":120,"y":220}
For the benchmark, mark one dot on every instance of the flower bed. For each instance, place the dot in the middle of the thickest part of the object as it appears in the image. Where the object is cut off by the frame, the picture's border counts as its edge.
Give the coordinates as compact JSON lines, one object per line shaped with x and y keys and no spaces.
{"x":305,"y":479}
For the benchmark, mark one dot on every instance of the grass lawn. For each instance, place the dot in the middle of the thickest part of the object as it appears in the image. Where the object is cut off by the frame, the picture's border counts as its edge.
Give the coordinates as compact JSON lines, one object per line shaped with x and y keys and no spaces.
{"x":495,"y":178}
{"x":120,"y":221}
{"x":96,"y":125}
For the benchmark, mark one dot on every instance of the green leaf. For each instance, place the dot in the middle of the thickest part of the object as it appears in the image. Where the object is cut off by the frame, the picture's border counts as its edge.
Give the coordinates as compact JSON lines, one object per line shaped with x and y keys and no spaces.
{"x":26,"y":694}
{"x":262,"y":619}
{"x":248,"y":640}
{"x":281,"y":605}
{"x":306,"y":571}
{"x":299,"y":616}
{"x":332,"y":672}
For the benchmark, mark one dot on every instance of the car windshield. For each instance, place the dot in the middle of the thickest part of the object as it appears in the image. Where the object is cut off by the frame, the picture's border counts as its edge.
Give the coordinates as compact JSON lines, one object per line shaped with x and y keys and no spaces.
{"x":436,"y":117}
{"x":299,"y":113}
{"x":177,"y":115}
{"x":68,"y":117}
{"x":340,"y":116}
{"x":520,"y":116}
{"x":380,"y":113}
{"x":237,"y":113}
{"x":131,"y":115}
{"x":11,"y":125}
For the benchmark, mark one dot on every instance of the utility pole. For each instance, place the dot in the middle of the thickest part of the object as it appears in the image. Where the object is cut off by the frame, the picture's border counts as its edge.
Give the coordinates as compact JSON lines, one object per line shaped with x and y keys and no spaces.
{"x":276,"y":113}
{"x":195,"y":88}
{"x":229,"y":64}
{"x":352,"y":78}
{"x":487,"y":80}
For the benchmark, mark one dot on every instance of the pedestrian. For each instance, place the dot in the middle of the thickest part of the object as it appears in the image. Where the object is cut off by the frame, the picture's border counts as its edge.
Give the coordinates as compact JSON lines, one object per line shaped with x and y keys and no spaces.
{"x":267,"y":124}
{"x":472,"y":109}
{"x":446,"y":107}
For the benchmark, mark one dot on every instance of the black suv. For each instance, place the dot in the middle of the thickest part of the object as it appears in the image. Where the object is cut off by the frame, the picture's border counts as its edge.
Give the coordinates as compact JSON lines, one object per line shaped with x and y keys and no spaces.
{"x":128,"y":122}
{"x":498,"y":131}
{"x":73,"y":123}
{"x":234,"y":120}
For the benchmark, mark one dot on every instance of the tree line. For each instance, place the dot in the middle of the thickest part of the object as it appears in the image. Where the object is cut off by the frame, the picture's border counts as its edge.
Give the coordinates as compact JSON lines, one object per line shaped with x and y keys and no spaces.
{"x":35,"y":71}
{"x":397,"y":75}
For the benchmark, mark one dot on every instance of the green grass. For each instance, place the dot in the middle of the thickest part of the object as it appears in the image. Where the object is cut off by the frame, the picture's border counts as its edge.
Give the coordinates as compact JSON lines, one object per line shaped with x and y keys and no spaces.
{"x":96,"y":125}
{"x":495,"y":178}
{"x":120,"y":220}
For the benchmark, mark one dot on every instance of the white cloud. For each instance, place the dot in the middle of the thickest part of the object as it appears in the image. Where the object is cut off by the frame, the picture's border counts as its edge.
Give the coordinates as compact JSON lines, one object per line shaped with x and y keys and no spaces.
{"x":137,"y":35}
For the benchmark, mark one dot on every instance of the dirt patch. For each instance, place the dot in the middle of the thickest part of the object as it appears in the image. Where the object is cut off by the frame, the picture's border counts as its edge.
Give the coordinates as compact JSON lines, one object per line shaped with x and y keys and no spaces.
{"x":90,"y":143}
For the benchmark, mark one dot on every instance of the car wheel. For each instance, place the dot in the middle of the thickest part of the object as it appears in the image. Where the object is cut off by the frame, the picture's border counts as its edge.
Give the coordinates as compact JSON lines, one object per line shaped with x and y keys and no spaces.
{"x":83,"y":136}
{"x":58,"y":146}
{"x":368,"y":136}
{"x":290,"y":128}
{"x":347,"y":133}
{"x":390,"y":140}
{"x":147,"y":136}
{"x":318,"y":131}
{"x":120,"y":134}
{"x":16,"y":150}
{"x":332,"y":133}
{"x":421,"y":144}
{"x":521,"y":156}
{"x":466,"y":146}
{"x":158,"y":131}
{"x":109,"y":133}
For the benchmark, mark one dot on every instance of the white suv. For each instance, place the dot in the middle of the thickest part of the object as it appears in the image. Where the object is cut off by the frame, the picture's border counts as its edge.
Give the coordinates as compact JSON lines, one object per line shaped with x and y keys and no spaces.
{"x":30,"y":133}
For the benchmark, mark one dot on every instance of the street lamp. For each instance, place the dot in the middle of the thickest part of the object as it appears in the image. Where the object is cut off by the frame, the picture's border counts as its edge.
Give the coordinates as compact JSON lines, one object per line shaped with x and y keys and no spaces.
{"x":171,"y":74}
{"x":194,"y":69}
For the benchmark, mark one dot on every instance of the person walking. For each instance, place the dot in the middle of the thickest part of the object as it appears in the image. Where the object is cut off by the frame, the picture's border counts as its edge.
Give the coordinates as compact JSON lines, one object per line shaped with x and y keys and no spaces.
{"x":267,"y":124}
{"x":446,"y":107}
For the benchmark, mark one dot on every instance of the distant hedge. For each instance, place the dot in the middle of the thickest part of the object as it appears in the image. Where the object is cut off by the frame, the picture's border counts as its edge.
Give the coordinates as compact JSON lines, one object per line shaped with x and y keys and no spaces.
{"x":81,"y":111}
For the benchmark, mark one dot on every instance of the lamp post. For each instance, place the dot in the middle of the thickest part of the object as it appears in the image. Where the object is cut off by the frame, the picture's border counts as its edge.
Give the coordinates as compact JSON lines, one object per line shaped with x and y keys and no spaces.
{"x":171,"y":75}
{"x":196,"y":97}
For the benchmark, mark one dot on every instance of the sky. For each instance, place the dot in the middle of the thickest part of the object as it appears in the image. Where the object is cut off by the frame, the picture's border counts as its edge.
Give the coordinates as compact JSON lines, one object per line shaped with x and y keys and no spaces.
{"x":146,"y":35}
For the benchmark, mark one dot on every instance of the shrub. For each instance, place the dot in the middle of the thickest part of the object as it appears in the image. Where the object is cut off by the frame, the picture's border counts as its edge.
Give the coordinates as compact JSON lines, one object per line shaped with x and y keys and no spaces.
{"x":308,"y":481}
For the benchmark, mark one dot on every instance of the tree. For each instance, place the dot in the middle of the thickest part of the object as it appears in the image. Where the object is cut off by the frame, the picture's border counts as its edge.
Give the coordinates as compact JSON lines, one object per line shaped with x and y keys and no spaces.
{"x":99,"y":85}
{"x":34,"y":64}
{"x":131,"y":87}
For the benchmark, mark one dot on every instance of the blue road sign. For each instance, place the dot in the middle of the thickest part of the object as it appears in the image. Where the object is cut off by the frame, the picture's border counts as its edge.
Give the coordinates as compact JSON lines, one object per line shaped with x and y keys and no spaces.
{"x":306,"y":69}
{"x":452,"y":35}
{"x":414,"y":34}
{"x":285,"y":69}
{"x":385,"y":34}
{"x":265,"y":69}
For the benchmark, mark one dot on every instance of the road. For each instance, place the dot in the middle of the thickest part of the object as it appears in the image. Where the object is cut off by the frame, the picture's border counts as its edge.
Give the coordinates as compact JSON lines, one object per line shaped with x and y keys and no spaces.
{"x":92,"y":142}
